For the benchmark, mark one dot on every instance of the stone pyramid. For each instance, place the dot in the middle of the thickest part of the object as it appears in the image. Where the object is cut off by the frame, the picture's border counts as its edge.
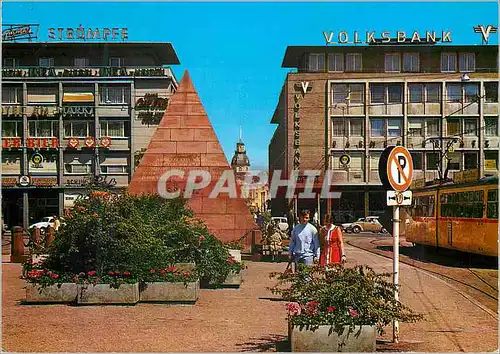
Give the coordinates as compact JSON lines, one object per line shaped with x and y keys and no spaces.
{"x":185,"y":140}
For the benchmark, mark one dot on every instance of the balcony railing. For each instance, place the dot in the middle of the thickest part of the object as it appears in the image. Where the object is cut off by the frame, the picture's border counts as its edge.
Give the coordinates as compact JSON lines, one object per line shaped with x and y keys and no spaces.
{"x":103,"y":71}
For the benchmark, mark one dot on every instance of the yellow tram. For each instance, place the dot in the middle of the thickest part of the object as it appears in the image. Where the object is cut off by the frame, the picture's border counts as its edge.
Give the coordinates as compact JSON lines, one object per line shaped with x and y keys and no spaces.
{"x":461,"y":216}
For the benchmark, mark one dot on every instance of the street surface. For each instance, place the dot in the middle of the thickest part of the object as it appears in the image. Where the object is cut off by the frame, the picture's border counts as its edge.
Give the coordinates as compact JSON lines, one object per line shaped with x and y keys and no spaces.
{"x":248,"y":319}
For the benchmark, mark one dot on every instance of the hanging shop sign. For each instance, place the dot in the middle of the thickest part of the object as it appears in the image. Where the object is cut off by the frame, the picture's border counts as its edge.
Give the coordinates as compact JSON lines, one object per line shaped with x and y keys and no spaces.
{"x":37,"y":160}
{"x":12,"y":33}
{"x":90,"y":142}
{"x":345,"y":37}
{"x":85,"y":34}
{"x":81,"y":111}
{"x":24,"y":181}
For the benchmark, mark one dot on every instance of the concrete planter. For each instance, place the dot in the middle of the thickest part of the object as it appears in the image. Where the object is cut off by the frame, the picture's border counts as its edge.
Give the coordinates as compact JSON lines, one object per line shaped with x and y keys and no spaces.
{"x":233,"y":279}
{"x":66,"y":292}
{"x":362,"y":339}
{"x":170,"y":292}
{"x":105,"y":294}
{"x":236,"y":255}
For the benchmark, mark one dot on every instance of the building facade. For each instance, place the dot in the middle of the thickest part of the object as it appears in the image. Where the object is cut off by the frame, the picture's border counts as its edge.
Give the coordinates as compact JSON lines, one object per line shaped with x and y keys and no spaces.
{"x":75,"y":112}
{"x":439,"y":101}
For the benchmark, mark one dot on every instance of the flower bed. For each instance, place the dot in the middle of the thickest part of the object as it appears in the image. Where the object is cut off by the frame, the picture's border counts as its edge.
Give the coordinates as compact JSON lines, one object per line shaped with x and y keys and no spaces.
{"x":175,"y":283}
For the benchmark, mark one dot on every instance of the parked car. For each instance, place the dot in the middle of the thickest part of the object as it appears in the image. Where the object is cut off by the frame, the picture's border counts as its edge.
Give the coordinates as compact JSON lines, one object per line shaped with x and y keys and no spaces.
{"x":43,"y":224}
{"x":282,"y":222}
{"x":370,"y":223}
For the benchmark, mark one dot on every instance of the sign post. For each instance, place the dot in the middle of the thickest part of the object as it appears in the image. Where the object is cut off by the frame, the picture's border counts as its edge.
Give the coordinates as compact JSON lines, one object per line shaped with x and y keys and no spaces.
{"x":396,"y":173}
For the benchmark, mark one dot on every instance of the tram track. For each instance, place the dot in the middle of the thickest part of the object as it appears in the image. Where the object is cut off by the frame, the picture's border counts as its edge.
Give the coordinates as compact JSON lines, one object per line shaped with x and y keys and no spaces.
{"x":459,"y":276}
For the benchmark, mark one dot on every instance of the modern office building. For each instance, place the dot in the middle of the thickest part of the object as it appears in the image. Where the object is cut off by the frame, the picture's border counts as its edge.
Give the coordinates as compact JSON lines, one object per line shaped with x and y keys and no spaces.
{"x":73,"y":112}
{"x":438,"y":100}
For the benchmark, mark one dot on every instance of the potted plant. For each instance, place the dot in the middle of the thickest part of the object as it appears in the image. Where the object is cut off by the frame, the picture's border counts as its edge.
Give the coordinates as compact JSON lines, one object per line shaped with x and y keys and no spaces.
{"x":234,"y":277}
{"x":339,"y":309}
{"x":170,"y":284}
{"x":45,"y":285}
{"x":234,"y":247}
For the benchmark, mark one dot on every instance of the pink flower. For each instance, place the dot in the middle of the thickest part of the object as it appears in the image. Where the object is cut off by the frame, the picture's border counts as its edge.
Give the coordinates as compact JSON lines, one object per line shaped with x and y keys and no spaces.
{"x":293,"y":308}
{"x":171,"y":269}
{"x":111,"y":272}
{"x":152,"y":271}
{"x":352,"y":313}
{"x":92,"y":272}
{"x":126,"y":274}
{"x":54,"y":275}
{"x":202,"y":238}
{"x":312,"y":307}
{"x":331,"y":308}
{"x":163,"y":272}
{"x":82,"y":274}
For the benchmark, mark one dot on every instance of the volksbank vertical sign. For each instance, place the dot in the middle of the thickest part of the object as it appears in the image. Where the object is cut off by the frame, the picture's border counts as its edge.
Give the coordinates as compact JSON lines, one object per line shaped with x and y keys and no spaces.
{"x":344,"y":37}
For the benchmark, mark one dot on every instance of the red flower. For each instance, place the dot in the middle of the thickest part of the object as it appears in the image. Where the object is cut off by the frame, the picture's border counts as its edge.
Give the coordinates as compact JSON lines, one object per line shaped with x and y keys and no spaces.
{"x":352,"y":313}
{"x":111,"y":272}
{"x":230,"y":260}
{"x":54,"y":276}
{"x":92,"y":272}
{"x":331,"y":308}
{"x":126,"y":274}
{"x":202,"y":238}
{"x":312,"y":307}
{"x":171,"y":269}
{"x":117,"y":273}
{"x":186,"y":274}
{"x":152,"y":271}
{"x":163,"y":271}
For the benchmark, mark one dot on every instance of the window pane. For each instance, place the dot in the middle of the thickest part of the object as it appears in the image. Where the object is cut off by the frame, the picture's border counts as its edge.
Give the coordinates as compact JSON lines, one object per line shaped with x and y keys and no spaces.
{"x":377,"y":93}
{"x":356,"y":93}
{"x":453,"y":126}
{"x":357,"y":126}
{"x":433,"y":127}
{"x":431,"y":161}
{"x":417,"y":160}
{"x":335,"y":62}
{"x":10,"y":95}
{"x":395,"y":93}
{"x":491,"y":89}
{"x":339,"y":93}
{"x":338,"y":127}
{"x":411,"y":62}
{"x":356,"y":163}
{"x":491,"y":126}
{"x":353,"y":62}
{"x":491,"y":160}
{"x":394,"y":127}
{"x":392,"y":62}
{"x":377,"y":127}
{"x":433,"y":93}
{"x":471,"y":92}
{"x":470,"y":127}
{"x":9,"y":129}
{"x":454,"y":92}
{"x":448,"y":62}
{"x":416,"y":91}
{"x":67,"y":129}
{"x":470,"y":160}
{"x":374,"y":159}
{"x":79,"y":129}
{"x":81,"y":62}
{"x":415,"y":126}
{"x":453,"y":160}
{"x":115,"y":128}
{"x":467,"y":62}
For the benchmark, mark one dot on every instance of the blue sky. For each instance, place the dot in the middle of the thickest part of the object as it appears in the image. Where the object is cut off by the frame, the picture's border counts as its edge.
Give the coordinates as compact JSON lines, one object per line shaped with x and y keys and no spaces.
{"x":234,"y":51}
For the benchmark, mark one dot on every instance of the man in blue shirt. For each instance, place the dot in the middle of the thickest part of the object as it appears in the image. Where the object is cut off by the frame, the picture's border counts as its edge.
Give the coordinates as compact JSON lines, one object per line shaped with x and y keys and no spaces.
{"x":304,"y":241}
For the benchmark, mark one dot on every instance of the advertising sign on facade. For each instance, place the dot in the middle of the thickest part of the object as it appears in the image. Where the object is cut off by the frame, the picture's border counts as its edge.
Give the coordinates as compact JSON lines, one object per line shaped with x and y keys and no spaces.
{"x":85,"y":34}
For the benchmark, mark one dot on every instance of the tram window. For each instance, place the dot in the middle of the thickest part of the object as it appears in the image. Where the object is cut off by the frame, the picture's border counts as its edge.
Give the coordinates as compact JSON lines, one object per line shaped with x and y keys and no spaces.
{"x":423,"y":206}
{"x":492,"y":211}
{"x":462,"y":204}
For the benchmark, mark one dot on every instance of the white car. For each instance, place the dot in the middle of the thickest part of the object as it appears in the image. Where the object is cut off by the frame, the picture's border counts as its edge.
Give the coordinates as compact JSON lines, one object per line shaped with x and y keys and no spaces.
{"x":43,"y":224}
{"x":282,"y":222}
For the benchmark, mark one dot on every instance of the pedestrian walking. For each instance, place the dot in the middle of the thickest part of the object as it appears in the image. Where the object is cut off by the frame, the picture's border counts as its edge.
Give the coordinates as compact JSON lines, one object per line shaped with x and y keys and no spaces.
{"x":331,"y":243}
{"x":57,"y":223}
{"x":304,"y":241}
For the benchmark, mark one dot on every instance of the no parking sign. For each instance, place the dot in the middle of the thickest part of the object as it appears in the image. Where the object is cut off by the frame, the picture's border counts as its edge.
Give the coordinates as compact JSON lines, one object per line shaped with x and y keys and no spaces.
{"x":396,"y":168}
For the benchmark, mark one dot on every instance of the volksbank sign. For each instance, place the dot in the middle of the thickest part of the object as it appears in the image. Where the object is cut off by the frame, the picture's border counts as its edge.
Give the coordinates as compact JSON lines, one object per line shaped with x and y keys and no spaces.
{"x":343,"y":37}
